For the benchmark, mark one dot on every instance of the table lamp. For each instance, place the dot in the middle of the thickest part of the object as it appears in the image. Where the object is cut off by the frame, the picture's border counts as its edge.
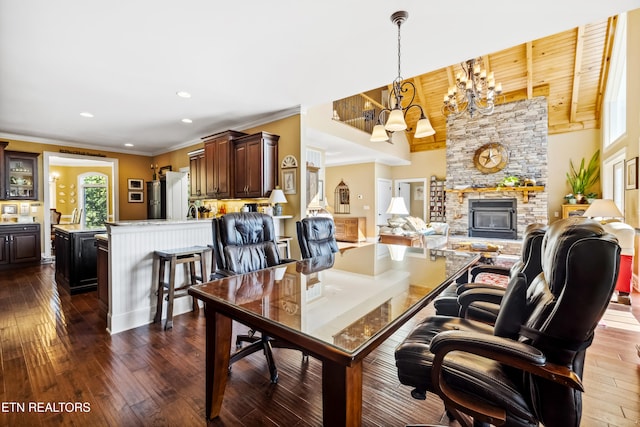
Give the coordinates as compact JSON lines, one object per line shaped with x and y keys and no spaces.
{"x":603,"y":208}
{"x":396,"y":207}
{"x":277,"y":197}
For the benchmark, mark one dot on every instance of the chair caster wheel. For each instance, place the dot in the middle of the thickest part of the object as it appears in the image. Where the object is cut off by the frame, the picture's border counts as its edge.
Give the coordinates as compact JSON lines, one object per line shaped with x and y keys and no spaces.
{"x":274,"y":380}
{"x":419,"y":394}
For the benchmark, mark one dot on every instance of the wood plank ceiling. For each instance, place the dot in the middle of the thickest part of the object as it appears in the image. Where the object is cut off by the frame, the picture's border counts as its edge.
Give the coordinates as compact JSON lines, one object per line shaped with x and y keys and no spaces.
{"x":569,"y":68}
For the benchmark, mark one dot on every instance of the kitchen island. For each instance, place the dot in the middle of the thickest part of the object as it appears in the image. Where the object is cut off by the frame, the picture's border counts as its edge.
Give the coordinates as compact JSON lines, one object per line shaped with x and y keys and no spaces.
{"x":133,"y":272}
{"x":75,"y":246}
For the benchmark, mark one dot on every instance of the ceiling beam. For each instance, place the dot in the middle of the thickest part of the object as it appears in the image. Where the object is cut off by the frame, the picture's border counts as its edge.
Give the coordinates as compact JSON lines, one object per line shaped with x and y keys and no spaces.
{"x":606,"y":62}
{"x":577,"y":72}
{"x":529,"y":54}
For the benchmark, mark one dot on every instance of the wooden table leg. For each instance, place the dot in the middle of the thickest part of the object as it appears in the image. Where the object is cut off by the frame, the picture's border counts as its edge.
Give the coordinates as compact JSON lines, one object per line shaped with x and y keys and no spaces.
{"x":218,"y":350}
{"x":341,"y":394}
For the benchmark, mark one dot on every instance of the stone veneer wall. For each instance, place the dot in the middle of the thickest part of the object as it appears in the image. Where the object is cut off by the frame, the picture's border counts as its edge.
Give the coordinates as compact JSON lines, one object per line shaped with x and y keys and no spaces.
{"x":522,"y":128}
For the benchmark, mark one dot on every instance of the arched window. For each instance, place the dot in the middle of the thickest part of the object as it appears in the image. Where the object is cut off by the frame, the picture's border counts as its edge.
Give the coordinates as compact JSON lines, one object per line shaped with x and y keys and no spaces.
{"x":94,"y":196}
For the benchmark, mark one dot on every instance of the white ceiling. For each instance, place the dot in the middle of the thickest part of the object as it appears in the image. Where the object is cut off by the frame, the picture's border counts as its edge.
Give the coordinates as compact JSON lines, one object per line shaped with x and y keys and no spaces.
{"x":244,"y":62}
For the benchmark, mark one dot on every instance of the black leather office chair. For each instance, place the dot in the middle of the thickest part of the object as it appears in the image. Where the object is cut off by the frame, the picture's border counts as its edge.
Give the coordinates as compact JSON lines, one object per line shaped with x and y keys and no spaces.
{"x":316,"y":236}
{"x":528,"y":371}
{"x":481,"y":301}
{"x":243,"y":243}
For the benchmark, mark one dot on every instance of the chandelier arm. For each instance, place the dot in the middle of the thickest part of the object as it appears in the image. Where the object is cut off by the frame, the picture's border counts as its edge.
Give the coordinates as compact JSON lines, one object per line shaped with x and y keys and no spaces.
{"x":422,"y":115}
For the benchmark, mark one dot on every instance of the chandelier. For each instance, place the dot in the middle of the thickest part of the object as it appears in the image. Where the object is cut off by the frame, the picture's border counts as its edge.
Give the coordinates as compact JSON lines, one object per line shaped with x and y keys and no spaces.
{"x":474,"y":90}
{"x":400,"y":89}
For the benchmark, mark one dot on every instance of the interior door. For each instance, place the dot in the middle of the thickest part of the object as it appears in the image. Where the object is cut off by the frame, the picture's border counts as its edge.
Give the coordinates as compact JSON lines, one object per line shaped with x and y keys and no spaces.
{"x":403,"y":189}
{"x":177,"y":195}
{"x":384,"y":198}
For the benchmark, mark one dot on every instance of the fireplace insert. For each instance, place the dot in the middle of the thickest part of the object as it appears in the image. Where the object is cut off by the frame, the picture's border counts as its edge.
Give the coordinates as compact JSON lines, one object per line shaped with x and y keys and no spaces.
{"x":493,"y":218}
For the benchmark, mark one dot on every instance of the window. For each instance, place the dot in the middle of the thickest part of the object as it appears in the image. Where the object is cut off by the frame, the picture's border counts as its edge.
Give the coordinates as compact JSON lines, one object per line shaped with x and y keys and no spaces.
{"x":94,"y":192}
{"x":615,"y":101}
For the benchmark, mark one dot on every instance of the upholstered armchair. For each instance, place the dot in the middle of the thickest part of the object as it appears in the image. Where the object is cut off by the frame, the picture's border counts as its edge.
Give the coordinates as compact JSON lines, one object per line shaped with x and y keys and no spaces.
{"x":527,"y":370}
{"x":316,"y":236}
{"x":481,"y":301}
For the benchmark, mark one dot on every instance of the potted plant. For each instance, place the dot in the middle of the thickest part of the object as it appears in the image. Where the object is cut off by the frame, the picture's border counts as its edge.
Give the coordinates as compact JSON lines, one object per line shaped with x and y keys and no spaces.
{"x":509,"y":181}
{"x":591,"y":197}
{"x":570,"y":198}
{"x":583,"y":178}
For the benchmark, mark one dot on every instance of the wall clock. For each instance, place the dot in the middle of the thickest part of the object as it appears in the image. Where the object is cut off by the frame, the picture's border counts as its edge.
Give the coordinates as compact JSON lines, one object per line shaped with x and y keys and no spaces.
{"x":491,"y":158}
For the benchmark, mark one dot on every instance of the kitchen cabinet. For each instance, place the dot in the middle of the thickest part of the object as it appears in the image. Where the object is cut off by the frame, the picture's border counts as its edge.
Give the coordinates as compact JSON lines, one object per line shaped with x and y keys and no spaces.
{"x":102,"y":271}
{"x":218,"y":164}
{"x":350,"y":229}
{"x":197,"y":173}
{"x":3,"y":145}
{"x":76,"y":257}
{"x":255,"y":159}
{"x":21,"y":175}
{"x":19,"y":244}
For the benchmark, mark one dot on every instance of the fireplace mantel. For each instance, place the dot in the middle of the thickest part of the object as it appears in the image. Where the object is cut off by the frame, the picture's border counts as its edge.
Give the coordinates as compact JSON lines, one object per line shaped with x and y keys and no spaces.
{"x":524,"y":190}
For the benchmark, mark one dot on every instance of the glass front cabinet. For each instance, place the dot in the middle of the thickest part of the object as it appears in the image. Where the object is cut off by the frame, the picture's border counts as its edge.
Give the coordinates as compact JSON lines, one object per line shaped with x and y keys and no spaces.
{"x":21,"y":175}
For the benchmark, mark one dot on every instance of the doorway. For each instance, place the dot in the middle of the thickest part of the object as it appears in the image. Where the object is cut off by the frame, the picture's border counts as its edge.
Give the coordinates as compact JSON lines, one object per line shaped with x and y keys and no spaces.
{"x":413,"y":191}
{"x":73,"y":160}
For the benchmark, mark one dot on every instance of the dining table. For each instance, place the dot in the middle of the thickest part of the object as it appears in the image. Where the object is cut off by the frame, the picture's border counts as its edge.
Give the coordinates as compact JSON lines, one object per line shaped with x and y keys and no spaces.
{"x":336,"y":309}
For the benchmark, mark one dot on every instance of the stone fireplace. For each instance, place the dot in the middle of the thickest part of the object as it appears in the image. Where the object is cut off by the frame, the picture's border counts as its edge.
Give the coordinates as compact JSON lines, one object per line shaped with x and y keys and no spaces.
{"x":521,"y":127}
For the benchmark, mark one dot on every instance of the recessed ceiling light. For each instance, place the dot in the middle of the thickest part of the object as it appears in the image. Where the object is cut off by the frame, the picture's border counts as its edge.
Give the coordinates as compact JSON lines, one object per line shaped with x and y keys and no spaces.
{"x":128,"y":144}
{"x":183,"y":94}
{"x":187,"y":121}
{"x":86,"y":114}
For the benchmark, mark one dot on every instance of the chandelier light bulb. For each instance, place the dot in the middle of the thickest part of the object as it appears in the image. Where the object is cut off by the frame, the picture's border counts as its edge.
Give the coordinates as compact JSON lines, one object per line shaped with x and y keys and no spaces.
{"x":401,"y":89}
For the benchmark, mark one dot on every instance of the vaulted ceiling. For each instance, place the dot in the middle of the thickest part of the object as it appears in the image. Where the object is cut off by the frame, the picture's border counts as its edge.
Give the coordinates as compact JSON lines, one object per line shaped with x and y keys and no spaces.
{"x":569,"y":68}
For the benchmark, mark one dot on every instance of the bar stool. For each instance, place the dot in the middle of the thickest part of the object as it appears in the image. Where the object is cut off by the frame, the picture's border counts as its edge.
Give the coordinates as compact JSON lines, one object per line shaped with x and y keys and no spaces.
{"x":189,"y":255}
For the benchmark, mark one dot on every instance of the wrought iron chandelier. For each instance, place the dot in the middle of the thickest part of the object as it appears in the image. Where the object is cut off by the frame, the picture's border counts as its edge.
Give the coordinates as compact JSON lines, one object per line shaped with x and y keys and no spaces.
{"x":400,"y":89}
{"x":474,"y":90}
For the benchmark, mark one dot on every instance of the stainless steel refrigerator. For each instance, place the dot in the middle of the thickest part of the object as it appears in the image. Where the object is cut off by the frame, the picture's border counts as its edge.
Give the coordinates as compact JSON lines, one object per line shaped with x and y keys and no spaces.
{"x":157,"y":199}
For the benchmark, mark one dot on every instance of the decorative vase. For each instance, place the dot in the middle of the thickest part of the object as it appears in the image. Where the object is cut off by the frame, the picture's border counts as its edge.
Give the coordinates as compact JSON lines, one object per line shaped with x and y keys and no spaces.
{"x":579,"y":197}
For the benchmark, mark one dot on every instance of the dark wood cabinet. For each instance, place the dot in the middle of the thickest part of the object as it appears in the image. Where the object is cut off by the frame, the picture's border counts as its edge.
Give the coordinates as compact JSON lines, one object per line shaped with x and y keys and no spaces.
{"x":102,"y":270}
{"x":197,"y":174}
{"x":218,"y":164}
{"x":76,"y":258}
{"x":21,"y":175}
{"x":3,"y":193}
{"x":350,"y":229}
{"x":255,"y":159}
{"x":20,"y":244}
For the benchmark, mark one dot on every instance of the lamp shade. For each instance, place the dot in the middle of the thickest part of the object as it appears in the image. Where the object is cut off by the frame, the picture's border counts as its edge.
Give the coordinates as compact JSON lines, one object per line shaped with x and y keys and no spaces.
{"x":277,"y":196}
{"x":379,"y":134}
{"x":396,"y":121}
{"x":397,"y":207}
{"x":424,"y":128}
{"x":603,"y":208}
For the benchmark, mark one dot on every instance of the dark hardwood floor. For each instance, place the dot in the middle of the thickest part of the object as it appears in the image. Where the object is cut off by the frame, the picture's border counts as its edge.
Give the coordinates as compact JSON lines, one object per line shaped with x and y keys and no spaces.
{"x":60,"y":364}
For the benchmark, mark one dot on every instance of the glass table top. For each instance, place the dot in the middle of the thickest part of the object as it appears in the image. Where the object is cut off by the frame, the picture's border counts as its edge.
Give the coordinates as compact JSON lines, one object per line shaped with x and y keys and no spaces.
{"x":345,"y":299}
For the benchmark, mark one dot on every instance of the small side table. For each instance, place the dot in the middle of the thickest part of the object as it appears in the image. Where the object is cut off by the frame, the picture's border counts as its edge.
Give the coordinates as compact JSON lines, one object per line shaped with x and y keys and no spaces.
{"x":284,"y":246}
{"x":400,"y":239}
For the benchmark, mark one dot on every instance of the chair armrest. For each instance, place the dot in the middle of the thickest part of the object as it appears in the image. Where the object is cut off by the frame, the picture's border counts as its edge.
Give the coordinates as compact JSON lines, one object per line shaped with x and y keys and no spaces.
{"x":465,"y":299}
{"x":508,"y":352}
{"x":464,"y":287}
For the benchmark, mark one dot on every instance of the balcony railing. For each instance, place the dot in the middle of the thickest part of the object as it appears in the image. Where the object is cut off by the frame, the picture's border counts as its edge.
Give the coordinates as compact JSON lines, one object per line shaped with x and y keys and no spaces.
{"x":359,"y":111}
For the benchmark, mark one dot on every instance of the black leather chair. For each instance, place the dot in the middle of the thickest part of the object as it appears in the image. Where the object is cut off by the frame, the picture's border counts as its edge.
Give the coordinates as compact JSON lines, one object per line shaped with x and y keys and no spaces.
{"x":481,"y":301}
{"x":243,"y":243}
{"x":528,"y":371}
{"x":316,"y":236}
